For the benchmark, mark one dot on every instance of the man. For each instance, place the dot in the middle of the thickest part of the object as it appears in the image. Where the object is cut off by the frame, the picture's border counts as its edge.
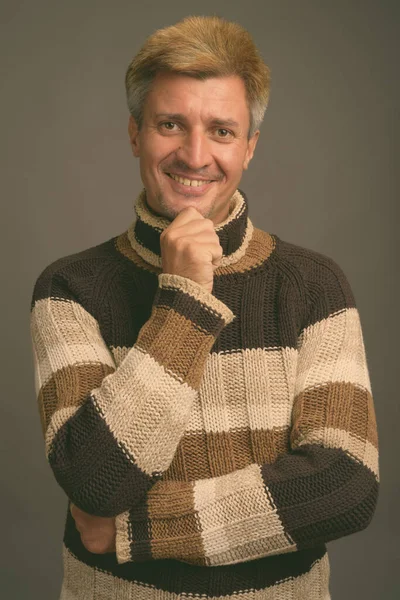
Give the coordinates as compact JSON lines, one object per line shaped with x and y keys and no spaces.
{"x":203,"y":384}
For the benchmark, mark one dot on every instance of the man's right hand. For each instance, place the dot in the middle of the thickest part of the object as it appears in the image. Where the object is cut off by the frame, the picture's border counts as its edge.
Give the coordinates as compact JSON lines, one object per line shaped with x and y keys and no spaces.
{"x":190,"y":247}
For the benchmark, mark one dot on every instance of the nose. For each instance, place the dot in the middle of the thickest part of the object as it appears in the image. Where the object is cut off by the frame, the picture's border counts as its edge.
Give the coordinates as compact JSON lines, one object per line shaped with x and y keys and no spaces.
{"x":195,"y":150}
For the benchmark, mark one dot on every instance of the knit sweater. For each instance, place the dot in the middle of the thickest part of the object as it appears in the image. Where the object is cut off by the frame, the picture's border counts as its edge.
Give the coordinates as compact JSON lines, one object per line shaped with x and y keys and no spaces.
{"x":231,"y":433}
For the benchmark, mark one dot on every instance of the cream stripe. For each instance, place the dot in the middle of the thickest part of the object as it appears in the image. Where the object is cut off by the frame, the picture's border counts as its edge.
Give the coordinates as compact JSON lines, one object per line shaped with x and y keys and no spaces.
{"x":64,"y":335}
{"x":81,"y":581}
{"x":240,"y":252}
{"x":146,"y":409}
{"x":122,"y":541}
{"x":254,"y":549}
{"x":255,"y":388}
{"x":235,"y":513}
{"x":149,"y":256}
{"x":362,"y":450}
{"x":105,"y":587}
{"x":78,"y":583}
{"x":248,"y":388}
{"x":236,"y":208}
{"x":332,"y":350}
{"x":119,"y":353}
{"x":36,"y":367}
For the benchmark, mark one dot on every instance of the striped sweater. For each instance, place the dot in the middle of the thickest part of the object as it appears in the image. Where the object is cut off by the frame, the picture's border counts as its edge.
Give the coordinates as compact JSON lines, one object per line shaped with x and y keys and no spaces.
{"x":231,"y":434}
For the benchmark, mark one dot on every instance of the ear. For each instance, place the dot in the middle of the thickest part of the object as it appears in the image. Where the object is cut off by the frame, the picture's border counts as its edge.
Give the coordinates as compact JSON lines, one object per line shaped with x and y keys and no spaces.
{"x":251,"y":146}
{"x":134,"y":136}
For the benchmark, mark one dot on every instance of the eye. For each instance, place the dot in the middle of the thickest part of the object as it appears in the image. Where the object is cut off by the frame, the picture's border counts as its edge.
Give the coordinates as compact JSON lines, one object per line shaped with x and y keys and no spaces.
{"x":168,"y":125}
{"x":223,"y":133}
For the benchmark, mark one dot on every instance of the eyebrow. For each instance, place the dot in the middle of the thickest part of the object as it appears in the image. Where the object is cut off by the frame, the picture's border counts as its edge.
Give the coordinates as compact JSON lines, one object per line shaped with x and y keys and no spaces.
{"x":213,"y":120}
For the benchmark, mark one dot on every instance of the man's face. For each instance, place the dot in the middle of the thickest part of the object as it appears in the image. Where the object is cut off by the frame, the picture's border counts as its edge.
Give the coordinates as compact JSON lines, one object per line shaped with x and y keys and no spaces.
{"x":194,"y":131}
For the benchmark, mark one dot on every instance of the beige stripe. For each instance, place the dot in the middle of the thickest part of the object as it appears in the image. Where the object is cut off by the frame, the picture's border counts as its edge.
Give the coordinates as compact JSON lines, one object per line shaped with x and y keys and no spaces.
{"x":313,"y":585}
{"x":252,"y":388}
{"x":146,"y":410}
{"x":78,"y":582}
{"x":37,"y":374}
{"x":105,"y":587}
{"x":232,"y":521}
{"x":148,"y":256}
{"x":360,"y":449}
{"x":250,"y":550}
{"x":238,"y":255}
{"x":333,"y":350}
{"x":64,"y":334}
{"x":122,"y":540}
{"x":119,"y":353}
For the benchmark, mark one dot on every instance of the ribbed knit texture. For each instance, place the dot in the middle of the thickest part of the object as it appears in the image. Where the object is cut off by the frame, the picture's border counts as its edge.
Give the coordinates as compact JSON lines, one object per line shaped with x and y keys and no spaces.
{"x":232,"y":434}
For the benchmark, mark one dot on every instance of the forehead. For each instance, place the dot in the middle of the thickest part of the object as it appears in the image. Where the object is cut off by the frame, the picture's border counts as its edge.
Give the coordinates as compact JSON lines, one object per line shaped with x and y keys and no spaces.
{"x":214,"y":97}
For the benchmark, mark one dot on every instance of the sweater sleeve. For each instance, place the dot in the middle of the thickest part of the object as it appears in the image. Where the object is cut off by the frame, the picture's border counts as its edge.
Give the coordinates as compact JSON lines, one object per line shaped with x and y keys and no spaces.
{"x":324,"y":488}
{"x":110,"y":433}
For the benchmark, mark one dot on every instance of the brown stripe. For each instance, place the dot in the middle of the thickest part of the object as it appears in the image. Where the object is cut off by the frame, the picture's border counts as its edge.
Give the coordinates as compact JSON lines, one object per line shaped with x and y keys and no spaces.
{"x":203,"y":455}
{"x":182,"y":549}
{"x":176,"y":500}
{"x":69,"y":386}
{"x":124,"y":246}
{"x":337,"y":405}
{"x":80,"y":468}
{"x":258,"y":251}
{"x":179,"y":347}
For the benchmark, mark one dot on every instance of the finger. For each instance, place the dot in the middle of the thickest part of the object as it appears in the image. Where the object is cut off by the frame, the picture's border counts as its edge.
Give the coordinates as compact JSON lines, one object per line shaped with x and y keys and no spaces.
{"x":215,"y":250}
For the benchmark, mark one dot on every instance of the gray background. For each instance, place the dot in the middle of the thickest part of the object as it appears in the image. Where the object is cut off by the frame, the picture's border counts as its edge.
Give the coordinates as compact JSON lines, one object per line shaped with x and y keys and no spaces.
{"x":323,"y":176}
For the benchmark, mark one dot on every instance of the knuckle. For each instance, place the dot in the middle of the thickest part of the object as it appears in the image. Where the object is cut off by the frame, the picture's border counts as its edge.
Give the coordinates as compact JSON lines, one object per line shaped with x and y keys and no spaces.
{"x":192,"y":251}
{"x":180,"y":243}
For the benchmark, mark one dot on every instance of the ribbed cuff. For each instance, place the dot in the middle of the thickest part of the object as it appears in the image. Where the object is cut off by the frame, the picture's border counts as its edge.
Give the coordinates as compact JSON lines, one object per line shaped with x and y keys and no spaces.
{"x":195,"y":294}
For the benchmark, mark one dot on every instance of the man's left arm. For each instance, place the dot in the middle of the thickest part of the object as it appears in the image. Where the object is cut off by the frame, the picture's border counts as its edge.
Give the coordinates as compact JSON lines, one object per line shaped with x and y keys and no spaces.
{"x":325,"y":488}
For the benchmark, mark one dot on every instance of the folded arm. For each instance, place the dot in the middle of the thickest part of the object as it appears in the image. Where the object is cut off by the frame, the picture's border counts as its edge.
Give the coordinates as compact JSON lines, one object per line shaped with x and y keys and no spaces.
{"x":112,"y":432}
{"x":326,"y":487}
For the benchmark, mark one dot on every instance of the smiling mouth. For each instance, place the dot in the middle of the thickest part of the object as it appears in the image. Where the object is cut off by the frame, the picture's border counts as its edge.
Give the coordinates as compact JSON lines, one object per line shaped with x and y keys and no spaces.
{"x":189,"y":182}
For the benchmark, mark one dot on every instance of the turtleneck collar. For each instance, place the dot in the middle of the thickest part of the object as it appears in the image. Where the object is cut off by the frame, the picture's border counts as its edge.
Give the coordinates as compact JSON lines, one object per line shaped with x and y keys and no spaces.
{"x":234,"y":233}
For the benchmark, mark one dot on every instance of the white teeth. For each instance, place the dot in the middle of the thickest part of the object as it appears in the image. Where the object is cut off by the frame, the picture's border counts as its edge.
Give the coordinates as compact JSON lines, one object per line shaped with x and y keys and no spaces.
{"x":189,"y":182}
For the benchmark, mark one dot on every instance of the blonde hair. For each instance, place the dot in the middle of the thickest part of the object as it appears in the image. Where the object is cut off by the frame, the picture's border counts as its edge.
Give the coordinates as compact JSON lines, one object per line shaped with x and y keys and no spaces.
{"x":200,"y":47}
